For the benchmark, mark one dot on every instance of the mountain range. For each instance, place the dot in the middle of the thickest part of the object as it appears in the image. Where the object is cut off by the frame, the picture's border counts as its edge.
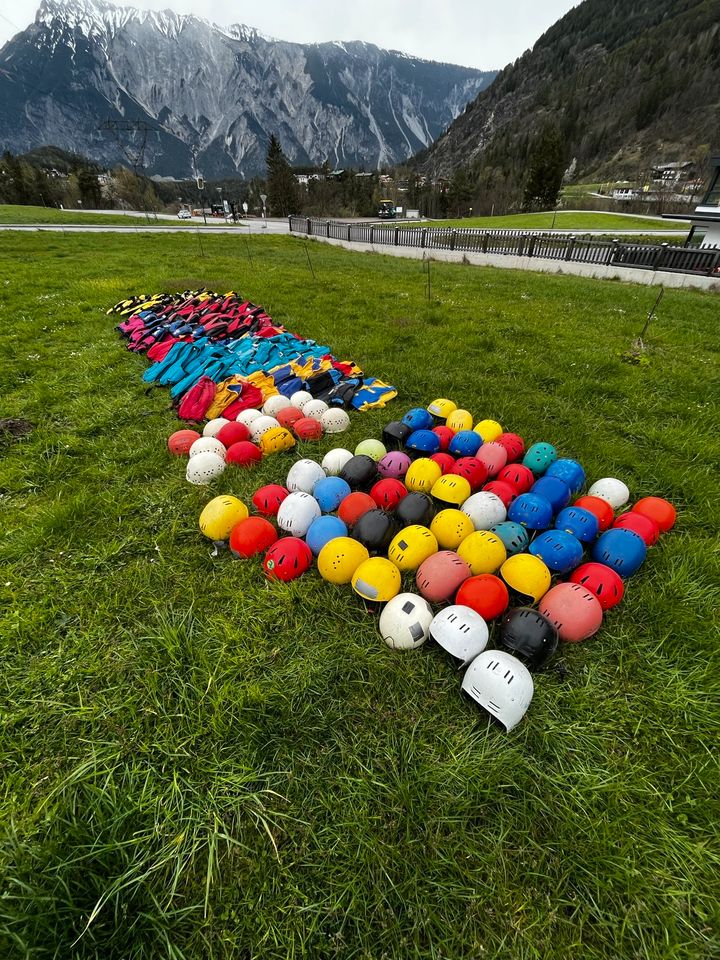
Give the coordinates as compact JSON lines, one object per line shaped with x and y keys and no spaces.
{"x":176,"y":95}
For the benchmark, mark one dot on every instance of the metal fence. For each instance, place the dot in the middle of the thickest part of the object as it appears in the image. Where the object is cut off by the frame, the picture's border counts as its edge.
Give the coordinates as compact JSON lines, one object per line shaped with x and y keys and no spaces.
{"x":703,"y":261}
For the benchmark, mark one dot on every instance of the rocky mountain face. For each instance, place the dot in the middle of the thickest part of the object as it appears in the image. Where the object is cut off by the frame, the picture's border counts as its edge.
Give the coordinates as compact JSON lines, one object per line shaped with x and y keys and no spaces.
{"x":200,"y":96}
{"x":627,"y":83}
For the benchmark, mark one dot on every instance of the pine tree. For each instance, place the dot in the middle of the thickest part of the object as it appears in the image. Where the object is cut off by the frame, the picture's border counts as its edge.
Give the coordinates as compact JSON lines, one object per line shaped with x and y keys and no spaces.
{"x":281,"y":183}
{"x":546,"y":168}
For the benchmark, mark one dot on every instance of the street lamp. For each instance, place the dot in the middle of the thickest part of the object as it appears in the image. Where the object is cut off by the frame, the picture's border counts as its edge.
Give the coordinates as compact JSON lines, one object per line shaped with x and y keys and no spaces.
{"x":263,"y":197}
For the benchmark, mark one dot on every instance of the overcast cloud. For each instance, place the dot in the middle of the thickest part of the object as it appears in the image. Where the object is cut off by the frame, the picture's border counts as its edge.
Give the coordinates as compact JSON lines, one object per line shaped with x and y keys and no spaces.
{"x":474,"y":33}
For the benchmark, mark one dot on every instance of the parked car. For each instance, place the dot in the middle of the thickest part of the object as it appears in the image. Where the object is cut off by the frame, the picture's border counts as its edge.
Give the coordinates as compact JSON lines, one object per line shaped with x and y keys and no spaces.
{"x":184,"y":215}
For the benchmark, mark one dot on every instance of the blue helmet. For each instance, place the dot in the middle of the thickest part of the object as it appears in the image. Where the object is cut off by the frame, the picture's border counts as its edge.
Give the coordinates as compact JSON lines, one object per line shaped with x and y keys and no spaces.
{"x":418,"y":419}
{"x":465,"y":443}
{"x":423,"y":441}
{"x":329,"y":493}
{"x":622,"y":550}
{"x":531,"y":511}
{"x":539,"y":457}
{"x":322,"y":531}
{"x":514,"y":536}
{"x":561,"y":552}
{"x":579,"y":522}
{"x":568,"y":470}
{"x":554,"y":490}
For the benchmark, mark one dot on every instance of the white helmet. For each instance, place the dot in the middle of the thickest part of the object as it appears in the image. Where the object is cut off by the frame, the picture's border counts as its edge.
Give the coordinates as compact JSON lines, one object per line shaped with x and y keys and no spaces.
{"x":300,"y":398}
{"x":501,"y":685}
{"x":334,"y":460}
{"x":303,"y":476}
{"x":297,"y":512}
{"x":207,"y":445}
{"x":261,"y":425}
{"x":335,"y":420}
{"x":314,"y":408}
{"x":615,"y":492}
{"x":460,"y":631}
{"x":274,"y":404}
{"x":484,"y":509}
{"x":203,"y":468}
{"x":213,"y":427}
{"x":405,"y":621}
{"x":247,"y":416}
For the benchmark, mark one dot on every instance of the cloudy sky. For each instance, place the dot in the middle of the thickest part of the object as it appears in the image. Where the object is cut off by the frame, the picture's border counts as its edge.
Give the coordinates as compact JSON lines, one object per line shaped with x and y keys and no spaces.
{"x":475,"y":33}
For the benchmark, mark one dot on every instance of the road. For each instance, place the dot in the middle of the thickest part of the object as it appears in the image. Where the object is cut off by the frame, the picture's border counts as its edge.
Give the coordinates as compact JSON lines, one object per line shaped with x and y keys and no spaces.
{"x":244,"y":229}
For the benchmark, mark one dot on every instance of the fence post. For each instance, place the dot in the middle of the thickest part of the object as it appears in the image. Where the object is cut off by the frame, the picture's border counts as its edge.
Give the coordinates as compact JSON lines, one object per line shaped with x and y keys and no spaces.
{"x":396,"y":236}
{"x":613,"y":250}
{"x":307,"y":225}
{"x":327,"y":229}
{"x":372,"y":232}
{"x":659,"y":256}
{"x":570,"y":248}
{"x":422,"y":237}
{"x":485,"y":241}
{"x":520,"y":249}
{"x":290,"y":220}
{"x":452,"y":239}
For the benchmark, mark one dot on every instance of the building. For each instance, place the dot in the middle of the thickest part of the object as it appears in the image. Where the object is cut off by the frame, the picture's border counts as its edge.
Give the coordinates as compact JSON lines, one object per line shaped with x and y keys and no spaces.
{"x":705,"y":229}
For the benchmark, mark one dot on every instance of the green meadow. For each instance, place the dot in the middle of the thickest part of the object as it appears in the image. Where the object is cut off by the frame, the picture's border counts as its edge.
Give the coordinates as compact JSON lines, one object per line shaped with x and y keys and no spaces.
{"x":200,"y":764}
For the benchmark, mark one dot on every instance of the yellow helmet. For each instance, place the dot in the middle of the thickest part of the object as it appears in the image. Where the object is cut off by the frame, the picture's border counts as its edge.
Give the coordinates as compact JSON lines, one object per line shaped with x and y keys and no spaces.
{"x":339,"y":559}
{"x":220,"y":516}
{"x":422,"y":475}
{"x":459,"y":420}
{"x":442,"y":408}
{"x":411,"y":546}
{"x":276,"y":440}
{"x":489,"y":430}
{"x":451,"y":488}
{"x":527,"y":575}
{"x":376,"y":579}
{"x":483,"y":552}
{"x":450,"y":527}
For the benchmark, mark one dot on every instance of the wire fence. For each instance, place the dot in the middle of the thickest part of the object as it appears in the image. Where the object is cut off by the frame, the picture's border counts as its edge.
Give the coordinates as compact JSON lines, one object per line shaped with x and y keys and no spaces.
{"x":702,"y":261}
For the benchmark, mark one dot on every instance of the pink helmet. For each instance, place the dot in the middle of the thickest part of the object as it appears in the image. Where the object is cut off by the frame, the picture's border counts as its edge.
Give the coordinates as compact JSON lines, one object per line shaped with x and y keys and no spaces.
{"x":394,"y":465}
{"x":574,"y":611}
{"x":439,"y":576}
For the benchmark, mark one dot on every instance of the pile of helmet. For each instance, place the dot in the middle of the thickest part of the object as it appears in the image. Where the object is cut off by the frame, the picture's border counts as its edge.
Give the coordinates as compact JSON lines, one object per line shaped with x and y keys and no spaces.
{"x":484,"y":531}
{"x":254,"y":433}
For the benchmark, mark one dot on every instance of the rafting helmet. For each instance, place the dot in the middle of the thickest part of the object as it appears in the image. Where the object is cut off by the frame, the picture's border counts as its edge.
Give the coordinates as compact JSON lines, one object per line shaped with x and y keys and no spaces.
{"x":461,"y":632}
{"x":220,"y":515}
{"x":376,"y":580}
{"x":303,"y":475}
{"x":335,"y":420}
{"x":559,"y":550}
{"x":659,"y":510}
{"x":267,"y":499}
{"x":526,"y":575}
{"x":602,"y":581}
{"x":394,"y":465}
{"x":574,"y":611}
{"x":411,"y":546}
{"x":483,"y":551}
{"x":339,"y":559}
{"x":287,"y":559}
{"x":515,"y":537}
{"x":529,"y":636}
{"x":422,"y":475}
{"x":539,"y":457}
{"x":252,"y":536}
{"x":439,"y":577}
{"x":611,"y":489}
{"x":203,"y":468}
{"x":622,"y":550}
{"x":334,"y":460}
{"x":484,"y":509}
{"x":297,"y":512}
{"x":501,"y":685}
{"x":330,"y":493}
{"x":450,"y":528}
{"x":322,"y":531}
{"x":405,"y":622}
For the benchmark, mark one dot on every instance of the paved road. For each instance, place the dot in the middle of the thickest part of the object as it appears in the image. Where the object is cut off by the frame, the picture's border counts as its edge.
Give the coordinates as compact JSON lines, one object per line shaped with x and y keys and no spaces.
{"x":244,"y":229}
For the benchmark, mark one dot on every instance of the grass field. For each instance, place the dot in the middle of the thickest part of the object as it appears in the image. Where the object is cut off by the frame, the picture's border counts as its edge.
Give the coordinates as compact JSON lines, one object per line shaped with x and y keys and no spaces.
{"x":201,"y":764}
{"x":564,"y":220}
{"x":14,"y":213}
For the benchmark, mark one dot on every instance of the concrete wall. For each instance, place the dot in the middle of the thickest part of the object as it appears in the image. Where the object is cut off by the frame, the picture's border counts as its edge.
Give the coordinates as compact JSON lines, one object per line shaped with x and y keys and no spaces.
{"x":536,"y":264}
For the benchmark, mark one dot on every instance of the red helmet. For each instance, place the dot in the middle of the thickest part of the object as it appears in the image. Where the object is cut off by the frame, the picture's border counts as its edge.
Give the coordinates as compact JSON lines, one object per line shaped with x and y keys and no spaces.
{"x":267,"y":499}
{"x":574,"y":611}
{"x":354,"y":506}
{"x":486,"y":594}
{"x":179,"y":443}
{"x":231,"y":433}
{"x":445,"y":435}
{"x":244,"y":454}
{"x":521,"y":477}
{"x":494,"y":456}
{"x":445,"y":461}
{"x":252,"y":535}
{"x":661,"y":511}
{"x":439,"y":576}
{"x":388,"y":493}
{"x":506,"y":491}
{"x":288,"y":417}
{"x":514,"y":445}
{"x":308,"y":428}
{"x":603,"y":581}
{"x":601,"y":508}
{"x":287,"y":559}
{"x":641,"y":524}
{"x":474,"y":471}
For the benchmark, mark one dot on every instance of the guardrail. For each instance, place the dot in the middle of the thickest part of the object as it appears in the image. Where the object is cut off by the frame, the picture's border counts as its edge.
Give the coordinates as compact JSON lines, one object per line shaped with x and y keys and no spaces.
{"x":701,"y":261}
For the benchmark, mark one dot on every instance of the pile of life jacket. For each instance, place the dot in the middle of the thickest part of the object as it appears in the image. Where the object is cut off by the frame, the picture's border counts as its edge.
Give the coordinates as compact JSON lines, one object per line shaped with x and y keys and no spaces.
{"x":220,"y":354}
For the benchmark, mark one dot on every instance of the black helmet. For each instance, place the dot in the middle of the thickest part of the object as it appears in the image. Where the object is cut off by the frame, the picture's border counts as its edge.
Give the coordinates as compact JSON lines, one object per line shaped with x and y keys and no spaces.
{"x":529,"y":636}
{"x":415,"y":508}
{"x":395,"y":434}
{"x":375,"y":530}
{"x":360,"y":472}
